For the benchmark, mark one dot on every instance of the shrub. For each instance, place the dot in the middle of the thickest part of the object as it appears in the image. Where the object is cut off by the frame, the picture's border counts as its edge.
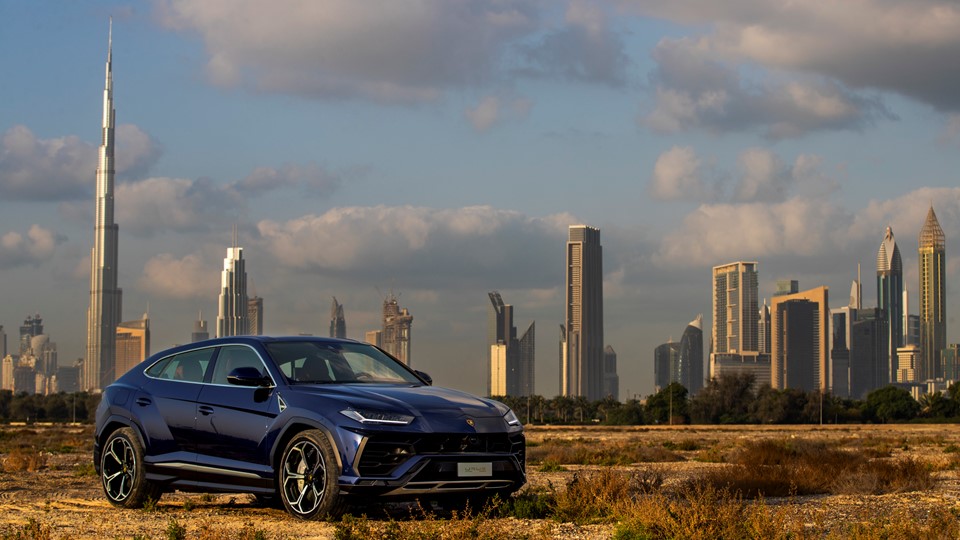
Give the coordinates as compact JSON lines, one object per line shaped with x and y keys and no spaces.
{"x":25,"y":459}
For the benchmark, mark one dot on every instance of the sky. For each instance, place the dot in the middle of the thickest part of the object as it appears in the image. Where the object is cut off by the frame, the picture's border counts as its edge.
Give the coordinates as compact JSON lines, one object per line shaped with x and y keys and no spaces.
{"x":439,"y":149}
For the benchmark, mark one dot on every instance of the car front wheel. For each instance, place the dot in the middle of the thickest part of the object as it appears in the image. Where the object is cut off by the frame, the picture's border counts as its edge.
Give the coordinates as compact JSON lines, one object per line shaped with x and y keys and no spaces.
{"x":122,"y":472}
{"x":308,"y":477}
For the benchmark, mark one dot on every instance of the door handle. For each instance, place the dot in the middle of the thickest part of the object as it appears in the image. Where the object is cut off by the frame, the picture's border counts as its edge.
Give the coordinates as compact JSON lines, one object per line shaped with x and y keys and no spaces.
{"x":205,"y":410}
{"x":143,"y":402}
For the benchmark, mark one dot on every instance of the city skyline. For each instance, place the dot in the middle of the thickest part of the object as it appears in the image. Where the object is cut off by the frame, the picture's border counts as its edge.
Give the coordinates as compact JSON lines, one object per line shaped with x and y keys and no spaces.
{"x":449,"y":171}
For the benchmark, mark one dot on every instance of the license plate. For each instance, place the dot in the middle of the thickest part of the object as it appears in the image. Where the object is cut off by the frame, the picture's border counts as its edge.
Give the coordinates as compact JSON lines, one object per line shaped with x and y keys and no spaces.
{"x":466,"y":470}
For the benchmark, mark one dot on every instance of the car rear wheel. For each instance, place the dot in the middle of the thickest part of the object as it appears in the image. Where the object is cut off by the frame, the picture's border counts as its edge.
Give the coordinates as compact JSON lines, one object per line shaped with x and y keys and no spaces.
{"x":308,"y":477}
{"x":122,"y":472}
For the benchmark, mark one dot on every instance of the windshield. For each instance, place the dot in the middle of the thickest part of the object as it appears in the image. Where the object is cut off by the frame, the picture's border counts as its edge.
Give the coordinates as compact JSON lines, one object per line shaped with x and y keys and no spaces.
{"x":314,"y":362}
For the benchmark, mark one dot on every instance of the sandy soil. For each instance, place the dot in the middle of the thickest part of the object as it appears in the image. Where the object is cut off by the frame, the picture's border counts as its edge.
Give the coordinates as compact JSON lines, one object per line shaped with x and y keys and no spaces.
{"x":65,"y":496}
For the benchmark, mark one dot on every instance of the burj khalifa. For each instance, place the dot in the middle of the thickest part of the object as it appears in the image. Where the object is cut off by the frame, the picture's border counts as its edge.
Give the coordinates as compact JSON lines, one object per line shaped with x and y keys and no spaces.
{"x":105,"y":297}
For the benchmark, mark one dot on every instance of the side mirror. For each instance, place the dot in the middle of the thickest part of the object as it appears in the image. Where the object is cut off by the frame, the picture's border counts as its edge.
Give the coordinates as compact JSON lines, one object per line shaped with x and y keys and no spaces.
{"x":427,"y":378}
{"x":247,"y":376}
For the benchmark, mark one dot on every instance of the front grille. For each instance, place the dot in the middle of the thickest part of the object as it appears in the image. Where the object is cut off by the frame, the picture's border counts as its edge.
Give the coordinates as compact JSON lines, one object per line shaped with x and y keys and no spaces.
{"x":383,"y":453}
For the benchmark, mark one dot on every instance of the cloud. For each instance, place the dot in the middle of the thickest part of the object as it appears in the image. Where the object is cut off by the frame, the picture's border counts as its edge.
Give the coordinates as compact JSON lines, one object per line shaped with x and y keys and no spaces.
{"x":717,"y":233}
{"x":800,"y":226}
{"x":677,"y":175}
{"x":312,"y":178}
{"x":694,"y":89}
{"x":911,"y":48}
{"x":64,"y":168}
{"x":189,"y":277}
{"x":387,"y":51}
{"x":584,"y":49}
{"x":426,"y":247}
{"x":491,"y":109}
{"x":762,"y":177}
{"x":37,"y":246}
{"x":155,"y":205}
{"x":398,"y":52}
{"x":950,"y":135}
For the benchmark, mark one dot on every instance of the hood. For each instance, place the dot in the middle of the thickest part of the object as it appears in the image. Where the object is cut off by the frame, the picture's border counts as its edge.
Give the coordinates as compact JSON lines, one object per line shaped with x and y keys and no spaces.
{"x":419,"y":400}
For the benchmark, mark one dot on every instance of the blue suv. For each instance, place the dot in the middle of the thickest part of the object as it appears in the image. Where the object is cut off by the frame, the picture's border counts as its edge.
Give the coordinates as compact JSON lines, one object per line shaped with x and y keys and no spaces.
{"x":309,"y":423}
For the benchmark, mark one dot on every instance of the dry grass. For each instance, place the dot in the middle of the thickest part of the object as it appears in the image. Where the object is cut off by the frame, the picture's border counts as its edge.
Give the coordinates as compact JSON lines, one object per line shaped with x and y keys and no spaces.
{"x":595,"y":452}
{"x":772,"y":468}
{"x":24,"y":459}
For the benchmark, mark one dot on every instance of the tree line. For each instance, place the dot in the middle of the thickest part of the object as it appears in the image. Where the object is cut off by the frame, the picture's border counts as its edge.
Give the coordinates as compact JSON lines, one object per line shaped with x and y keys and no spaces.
{"x":729,"y":399}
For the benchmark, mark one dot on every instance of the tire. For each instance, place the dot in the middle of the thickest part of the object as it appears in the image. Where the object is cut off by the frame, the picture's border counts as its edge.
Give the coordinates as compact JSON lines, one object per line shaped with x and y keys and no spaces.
{"x":122,"y":472}
{"x":309,"y":477}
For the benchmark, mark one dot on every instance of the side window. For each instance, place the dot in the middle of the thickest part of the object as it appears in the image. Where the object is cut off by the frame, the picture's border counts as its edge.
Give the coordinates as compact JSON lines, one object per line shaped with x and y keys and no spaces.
{"x":189,"y":366}
{"x":232,"y":357}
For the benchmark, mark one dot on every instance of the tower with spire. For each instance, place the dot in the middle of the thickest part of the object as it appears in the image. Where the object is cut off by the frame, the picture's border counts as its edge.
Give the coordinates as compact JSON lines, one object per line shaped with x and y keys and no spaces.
{"x":103,"y":315}
{"x":338,"y":323}
{"x":933,"y":298}
{"x":890,"y":301}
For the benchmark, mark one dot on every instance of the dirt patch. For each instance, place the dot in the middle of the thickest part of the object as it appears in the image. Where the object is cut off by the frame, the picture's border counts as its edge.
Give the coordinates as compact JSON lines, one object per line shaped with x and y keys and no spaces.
{"x":65,"y":496}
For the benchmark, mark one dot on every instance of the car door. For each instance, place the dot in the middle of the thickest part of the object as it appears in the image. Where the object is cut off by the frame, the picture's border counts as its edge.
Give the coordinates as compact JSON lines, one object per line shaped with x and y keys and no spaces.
{"x":233,"y":421}
{"x":167,"y":404}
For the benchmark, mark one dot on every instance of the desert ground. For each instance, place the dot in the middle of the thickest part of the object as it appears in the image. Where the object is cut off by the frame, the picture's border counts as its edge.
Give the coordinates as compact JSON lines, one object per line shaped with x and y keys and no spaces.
{"x":58,"y":494}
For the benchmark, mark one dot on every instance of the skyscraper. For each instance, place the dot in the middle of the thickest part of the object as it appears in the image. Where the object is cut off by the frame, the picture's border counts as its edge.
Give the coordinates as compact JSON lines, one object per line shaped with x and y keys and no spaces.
{"x":933,"y":298}
{"x":233,"y":316}
{"x":890,"y":298}
{"x":106,"y":298}
{"x":395,"y":338}
{"x":255,"y":316}
{"x":735,"y":336}
{"x":510,"y":366}
{"x":133,"y":343}
{"x":666,"y":364}
{"x":581,"y":347}
{"x":200,"y":331}
{"x":800,"y":324}
{"x":611,"y":381}
{"x":338,"y":324}
{"x":31,"y":327}
{"x":691,"y":356}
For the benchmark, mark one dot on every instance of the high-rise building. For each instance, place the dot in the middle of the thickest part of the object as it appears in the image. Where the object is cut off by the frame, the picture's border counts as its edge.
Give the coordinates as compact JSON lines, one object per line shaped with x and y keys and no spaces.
{"x":510,"y":366}
{"x":868,"y":353}
{"x":735,"y":339}
{"x":907,"y":358}
{"x":396,"y":329}
{"x":691,"y":356}
{"x":933,"y":298}
{"x":800,"y":324}
{"x":31,"y":327}
{"x":133,"y":343}
{"x":841,"y":327}
{"x":374,"y":337}
{"x":255,"y":316}
{"x":581,"y":348}
{"x":666,"y":365}
{"x":233,"y":318}
{"x":106,"y":298}
{"x":787,"y":286}
{"x":7,"y":365}
{"x":338,"y":323}
{"x":200,"y":331}
{"x":763,"y":328}
{"x":611,"y":381}
{"x":890,"y":297}
{"x":526,"y":379}
{"x":951,"y":362}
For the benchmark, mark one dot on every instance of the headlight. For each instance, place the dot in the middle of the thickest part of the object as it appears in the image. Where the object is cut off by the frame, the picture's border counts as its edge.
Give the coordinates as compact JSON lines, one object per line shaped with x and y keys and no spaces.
{"x":365,"y":416}
{"x":511,"y":419}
